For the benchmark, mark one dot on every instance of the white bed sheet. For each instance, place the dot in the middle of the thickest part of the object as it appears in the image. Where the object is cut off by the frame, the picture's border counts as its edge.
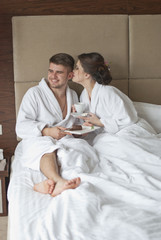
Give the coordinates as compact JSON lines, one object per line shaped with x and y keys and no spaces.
{"x":118,"y":199}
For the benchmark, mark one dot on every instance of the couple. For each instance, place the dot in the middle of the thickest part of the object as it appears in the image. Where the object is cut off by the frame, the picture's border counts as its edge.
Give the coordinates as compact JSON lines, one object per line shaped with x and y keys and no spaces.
{"x":45,"y":111}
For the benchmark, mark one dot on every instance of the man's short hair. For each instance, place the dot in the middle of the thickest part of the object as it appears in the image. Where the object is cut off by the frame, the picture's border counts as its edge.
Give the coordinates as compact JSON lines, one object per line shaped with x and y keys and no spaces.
{"x":63,"y":59}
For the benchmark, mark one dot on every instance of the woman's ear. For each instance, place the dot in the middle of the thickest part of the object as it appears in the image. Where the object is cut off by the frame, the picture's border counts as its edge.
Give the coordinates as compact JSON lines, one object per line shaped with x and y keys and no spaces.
{"x":87,"y":75}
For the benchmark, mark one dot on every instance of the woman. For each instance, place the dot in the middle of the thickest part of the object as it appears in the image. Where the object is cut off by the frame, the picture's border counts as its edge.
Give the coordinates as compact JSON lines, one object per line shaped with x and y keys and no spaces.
{"x":109,"y":107}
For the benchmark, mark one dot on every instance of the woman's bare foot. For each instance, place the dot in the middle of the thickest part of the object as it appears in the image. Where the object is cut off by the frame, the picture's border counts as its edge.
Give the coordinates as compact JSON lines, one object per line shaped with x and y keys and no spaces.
{"x":46,"y":186}
{"x":63,"y":185}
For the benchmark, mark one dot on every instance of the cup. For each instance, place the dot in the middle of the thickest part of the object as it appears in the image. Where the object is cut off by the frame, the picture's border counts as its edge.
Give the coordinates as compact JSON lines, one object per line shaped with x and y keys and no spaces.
{"x":79,"y":107}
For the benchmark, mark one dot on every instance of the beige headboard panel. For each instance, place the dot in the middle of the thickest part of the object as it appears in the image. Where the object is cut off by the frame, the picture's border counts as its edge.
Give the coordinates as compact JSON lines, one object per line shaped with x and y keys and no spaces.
{"x":145,"y":58}
{"x":130,"y":43}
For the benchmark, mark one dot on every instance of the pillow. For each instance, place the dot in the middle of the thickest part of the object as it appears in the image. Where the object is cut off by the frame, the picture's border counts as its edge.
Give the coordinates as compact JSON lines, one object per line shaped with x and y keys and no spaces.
{"x":151,"y":113}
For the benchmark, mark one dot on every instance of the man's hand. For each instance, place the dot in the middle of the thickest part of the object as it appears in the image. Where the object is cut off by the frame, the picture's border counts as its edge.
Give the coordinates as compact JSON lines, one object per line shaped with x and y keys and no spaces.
{"x":54,"y":132}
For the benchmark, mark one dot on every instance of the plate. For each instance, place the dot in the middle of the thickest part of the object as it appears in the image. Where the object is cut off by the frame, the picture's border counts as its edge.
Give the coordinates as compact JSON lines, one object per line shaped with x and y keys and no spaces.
{"x":75,"y":114}
{"x":86,"y":129}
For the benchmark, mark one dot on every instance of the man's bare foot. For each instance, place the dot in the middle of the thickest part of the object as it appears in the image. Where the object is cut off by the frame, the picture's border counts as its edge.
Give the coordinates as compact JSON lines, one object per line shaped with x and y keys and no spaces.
{"x":46,"y":186}
{"x":63,"y":185}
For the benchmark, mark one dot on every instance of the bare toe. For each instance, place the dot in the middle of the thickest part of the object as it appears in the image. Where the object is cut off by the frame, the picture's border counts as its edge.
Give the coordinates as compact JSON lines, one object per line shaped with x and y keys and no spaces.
{"x":45,"y":187}
{"x":51,"y":187}
{"x":74,"y":182}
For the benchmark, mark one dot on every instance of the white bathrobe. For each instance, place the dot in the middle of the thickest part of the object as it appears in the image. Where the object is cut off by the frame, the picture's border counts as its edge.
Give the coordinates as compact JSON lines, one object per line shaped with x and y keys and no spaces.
{"x":115,"y":110}
{"x":40,"y":108}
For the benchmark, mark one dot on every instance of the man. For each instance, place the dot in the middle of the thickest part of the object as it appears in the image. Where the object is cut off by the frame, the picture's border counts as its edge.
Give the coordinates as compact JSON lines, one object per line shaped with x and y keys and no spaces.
{"x":43,"y":116}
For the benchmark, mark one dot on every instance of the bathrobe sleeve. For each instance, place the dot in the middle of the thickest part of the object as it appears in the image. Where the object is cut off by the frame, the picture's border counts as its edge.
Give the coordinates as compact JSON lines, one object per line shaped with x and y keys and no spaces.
{"x":28,"y":124}
{"x":115,"y":109}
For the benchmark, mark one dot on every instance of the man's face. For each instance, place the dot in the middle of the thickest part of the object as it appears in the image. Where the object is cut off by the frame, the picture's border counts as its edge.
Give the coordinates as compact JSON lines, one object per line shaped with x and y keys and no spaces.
{"x":58,"y":76}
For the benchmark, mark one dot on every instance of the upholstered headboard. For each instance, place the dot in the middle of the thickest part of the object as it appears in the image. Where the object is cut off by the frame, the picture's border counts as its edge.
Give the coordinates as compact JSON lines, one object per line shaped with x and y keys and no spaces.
{"x":131,"y":44}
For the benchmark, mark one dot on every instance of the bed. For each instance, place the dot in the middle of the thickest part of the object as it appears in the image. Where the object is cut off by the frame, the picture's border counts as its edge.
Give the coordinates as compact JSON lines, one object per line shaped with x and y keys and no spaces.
{"x":116,"y":199}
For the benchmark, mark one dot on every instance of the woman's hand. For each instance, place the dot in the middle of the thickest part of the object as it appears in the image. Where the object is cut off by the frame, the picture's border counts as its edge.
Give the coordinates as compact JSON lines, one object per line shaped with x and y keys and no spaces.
{"x":54,"y":132}
{"x":73,"y":110}
{"x":91,"y":119}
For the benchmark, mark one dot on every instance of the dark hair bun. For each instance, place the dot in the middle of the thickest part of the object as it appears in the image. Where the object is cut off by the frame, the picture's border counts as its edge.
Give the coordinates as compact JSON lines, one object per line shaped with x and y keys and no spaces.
{"x":94,"y":64}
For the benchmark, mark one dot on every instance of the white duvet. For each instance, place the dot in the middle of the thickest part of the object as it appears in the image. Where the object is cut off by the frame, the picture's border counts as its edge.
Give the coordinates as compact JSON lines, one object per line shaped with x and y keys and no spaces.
{"x":119,"y":197}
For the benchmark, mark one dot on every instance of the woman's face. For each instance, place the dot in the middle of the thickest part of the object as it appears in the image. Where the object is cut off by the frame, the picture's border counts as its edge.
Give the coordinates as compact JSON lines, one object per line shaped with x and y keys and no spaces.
{"x":79,"y":74}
